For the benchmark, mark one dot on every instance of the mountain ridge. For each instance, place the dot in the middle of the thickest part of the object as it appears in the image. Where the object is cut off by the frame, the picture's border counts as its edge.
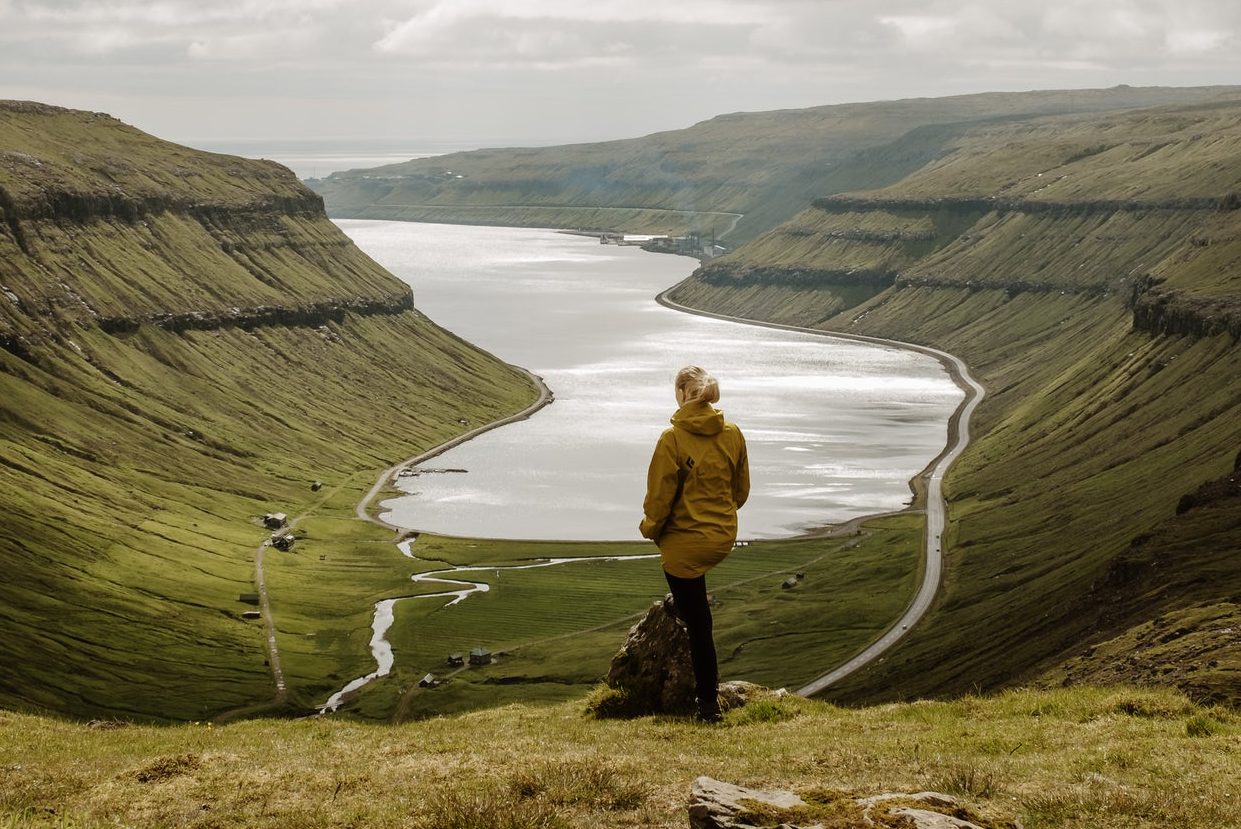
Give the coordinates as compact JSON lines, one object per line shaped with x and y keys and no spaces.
{"x":188,"y":344}
{"x":765,"y":165}
{"x":1106,"y":329}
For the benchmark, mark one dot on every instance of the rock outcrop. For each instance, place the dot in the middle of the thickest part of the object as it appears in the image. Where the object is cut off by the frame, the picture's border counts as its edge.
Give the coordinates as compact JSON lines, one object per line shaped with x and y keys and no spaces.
{"x":652,"y":672}
{"x":718,"y":805}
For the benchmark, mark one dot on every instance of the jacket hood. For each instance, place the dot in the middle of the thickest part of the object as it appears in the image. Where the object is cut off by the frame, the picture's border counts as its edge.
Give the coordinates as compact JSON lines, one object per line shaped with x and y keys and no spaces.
{"x":699,"y":418}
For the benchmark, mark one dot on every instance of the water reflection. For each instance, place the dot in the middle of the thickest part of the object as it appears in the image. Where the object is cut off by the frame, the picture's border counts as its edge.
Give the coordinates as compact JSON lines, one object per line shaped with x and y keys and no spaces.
{"x":835,"y":428}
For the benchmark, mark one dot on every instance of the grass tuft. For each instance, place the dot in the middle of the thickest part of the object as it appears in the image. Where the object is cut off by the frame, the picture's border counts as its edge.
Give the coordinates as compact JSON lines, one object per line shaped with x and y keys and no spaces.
{"x":166,"y":768}
{"x":1152,"y":707}
{"x":587,"y":783}
{"x":486,"y":809}
{"x":1202,"y":725}
{"x":764,"y":711}
{"x":968,"y":779}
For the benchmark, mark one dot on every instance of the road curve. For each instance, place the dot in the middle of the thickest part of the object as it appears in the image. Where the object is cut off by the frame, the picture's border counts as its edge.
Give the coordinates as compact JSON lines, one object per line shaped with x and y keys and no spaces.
{"x":936,"y":510}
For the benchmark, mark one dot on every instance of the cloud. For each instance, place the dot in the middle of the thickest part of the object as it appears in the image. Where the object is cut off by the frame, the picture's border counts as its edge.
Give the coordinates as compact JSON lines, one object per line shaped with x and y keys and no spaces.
{"x":220,"y":27}
{"x":262,"y":46}
{"x":606,"y":67}
{"x":559,"y":33}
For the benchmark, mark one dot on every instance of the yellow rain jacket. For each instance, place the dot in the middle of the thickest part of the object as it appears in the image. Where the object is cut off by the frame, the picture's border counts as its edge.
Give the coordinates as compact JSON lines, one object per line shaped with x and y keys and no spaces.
{"x":698,"y":479}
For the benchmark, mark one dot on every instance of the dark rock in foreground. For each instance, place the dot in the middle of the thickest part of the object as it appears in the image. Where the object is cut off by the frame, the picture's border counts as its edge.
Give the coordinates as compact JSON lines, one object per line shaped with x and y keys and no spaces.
{"x":652,"y":672}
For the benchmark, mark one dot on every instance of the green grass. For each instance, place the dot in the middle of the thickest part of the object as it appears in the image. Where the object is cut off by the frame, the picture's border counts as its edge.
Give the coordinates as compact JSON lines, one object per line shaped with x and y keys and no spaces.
{"x":1063,"y":524}
{"x":555,"y":629}
{"x":134,"y":465}
{"x":766,"y":165}
{"x":143,"y":539}
{"x":1068,"y":759}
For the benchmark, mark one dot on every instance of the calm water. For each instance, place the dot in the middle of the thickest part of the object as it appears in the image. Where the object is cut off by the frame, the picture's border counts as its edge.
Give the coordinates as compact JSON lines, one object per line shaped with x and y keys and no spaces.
{"x":835,"y":429}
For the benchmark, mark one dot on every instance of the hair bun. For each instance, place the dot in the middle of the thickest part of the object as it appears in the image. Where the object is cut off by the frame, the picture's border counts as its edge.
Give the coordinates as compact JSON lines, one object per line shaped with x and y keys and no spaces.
{"x":697,"y":386}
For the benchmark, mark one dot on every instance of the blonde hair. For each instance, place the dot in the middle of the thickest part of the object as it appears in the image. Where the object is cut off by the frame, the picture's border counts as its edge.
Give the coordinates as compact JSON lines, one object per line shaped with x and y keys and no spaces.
{"x":697,"y":385}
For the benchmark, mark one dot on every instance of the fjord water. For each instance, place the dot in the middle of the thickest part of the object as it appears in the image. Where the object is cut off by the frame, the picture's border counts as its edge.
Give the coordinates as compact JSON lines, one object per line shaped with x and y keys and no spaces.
{"x":835,"y":428}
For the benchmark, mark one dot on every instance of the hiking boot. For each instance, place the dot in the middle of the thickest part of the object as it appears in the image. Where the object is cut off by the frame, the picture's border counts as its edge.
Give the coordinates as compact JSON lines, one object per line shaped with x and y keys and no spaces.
{"x":709,"y":716}
{"x":709,"y":710}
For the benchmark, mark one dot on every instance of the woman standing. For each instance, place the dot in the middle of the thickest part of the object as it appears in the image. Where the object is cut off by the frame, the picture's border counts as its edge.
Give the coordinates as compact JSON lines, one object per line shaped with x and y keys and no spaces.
{"x":698,"y":479}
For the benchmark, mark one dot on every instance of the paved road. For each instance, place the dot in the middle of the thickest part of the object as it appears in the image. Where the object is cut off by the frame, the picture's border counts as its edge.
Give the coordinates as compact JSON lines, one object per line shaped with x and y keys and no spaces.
{"x":935,"y":507}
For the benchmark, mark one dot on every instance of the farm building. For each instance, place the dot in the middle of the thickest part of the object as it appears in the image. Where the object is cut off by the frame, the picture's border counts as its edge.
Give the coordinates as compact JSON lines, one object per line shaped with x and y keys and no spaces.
{"x":478,"y":656}
{"x":428,"y":681}
{"x":249,"y":598}
{"x":456,"y":660}
{"x":283,"y":541}
{"x":275,"y":520}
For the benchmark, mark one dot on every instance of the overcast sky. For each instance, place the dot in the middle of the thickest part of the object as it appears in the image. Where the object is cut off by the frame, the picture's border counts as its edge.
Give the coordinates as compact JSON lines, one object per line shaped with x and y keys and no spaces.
{"x":542,"y":71}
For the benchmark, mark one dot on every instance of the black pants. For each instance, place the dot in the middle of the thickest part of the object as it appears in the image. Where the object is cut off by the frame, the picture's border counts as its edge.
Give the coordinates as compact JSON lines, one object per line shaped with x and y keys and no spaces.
{"x":690,"y":596}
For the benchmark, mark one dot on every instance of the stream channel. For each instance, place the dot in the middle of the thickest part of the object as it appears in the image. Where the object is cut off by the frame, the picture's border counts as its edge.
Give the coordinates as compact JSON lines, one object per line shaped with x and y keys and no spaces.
{"x":835,"y":428}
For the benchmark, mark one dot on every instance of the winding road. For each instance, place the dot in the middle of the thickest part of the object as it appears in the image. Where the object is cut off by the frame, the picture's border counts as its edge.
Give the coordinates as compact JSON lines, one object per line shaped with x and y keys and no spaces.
{"x":935,"y":515}
{"x":936,"y":508}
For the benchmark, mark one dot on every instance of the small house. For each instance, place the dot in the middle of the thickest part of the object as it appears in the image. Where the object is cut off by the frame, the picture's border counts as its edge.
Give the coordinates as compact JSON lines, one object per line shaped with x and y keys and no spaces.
{"x":275,"y":520}
{"x":315,"y":486}
{"x":251,"y":614}
{"x":456,"y":660}
{"x":478,"y":656}
{"x":283,"y":541}
{"x":428,"y":681}
{"x":249,"y":598}
{"x":789,"y":583}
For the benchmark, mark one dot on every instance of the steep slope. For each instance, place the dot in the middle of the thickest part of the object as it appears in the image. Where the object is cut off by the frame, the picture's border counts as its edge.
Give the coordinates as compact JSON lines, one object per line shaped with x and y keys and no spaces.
{"x":765,"y":166}
{"x":1089,"y":270}
{"x":186,"y":343}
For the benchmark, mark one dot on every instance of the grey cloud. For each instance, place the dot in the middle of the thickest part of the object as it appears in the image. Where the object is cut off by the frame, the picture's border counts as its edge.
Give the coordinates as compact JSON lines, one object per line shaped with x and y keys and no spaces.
{"x":504,"y":41}
{"x":577,"y":68}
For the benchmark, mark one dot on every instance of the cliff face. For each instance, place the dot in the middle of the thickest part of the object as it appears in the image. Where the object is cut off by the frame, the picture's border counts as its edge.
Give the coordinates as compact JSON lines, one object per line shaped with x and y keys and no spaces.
{"x":765,"y":166}
{"x":186,"y":342}
{"x":102,"y":223}
{"x":1089,"y":270}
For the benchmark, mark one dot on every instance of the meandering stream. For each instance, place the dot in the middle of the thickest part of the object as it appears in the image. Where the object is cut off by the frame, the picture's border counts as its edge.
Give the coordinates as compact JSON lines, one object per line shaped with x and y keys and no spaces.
{"x":836,"y":429}
{"x":385,"y":614}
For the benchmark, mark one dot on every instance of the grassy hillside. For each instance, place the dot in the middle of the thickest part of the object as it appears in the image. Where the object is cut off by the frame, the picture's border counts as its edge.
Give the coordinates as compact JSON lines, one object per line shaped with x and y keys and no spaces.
{"x":186,"y":343}
{"x":555,"y":629}
{"x":1064,"y":759}
{"x":766,"y":166}
{"x":1089,"y":269}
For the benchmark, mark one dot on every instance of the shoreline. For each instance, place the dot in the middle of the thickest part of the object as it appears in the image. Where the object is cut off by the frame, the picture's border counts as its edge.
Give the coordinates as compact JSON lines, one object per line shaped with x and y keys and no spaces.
{"x":931,"y":479}
{"x":925,"y":485}
{"x":546,"y":398}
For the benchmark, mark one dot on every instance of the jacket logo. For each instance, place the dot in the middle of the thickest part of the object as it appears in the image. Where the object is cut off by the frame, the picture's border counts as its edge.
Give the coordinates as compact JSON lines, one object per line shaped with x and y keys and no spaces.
{"x":689,"y":463}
